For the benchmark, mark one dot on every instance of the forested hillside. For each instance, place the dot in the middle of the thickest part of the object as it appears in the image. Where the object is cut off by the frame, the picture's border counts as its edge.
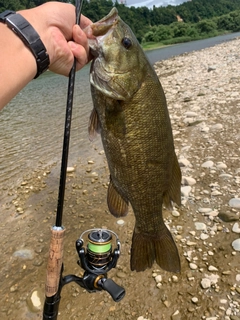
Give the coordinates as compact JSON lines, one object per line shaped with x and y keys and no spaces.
{"x":191,"y":20}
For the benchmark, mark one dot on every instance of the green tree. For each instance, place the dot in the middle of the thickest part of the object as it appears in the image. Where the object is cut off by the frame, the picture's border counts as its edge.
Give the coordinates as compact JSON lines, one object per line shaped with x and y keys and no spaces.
{"x":230,"y":21}
{"x":12,"y":5}
{"x":206,"y":26}
{"x":179,"y":29}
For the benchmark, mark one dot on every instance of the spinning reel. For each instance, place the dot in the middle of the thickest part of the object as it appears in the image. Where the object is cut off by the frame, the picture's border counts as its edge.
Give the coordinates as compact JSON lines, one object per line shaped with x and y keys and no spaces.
{"x":97,"y":259}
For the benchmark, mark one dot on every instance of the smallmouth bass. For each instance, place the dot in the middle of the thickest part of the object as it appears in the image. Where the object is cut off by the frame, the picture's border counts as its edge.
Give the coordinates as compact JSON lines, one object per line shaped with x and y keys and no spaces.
{"x":130,"y":112}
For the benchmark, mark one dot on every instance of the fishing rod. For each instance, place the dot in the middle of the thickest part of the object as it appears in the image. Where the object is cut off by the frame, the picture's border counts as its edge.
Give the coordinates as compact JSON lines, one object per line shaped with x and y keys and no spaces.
{"x":99,"y":258}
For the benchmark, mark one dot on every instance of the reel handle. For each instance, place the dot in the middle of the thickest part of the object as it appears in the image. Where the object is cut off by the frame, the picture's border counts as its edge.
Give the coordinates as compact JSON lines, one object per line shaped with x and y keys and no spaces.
{"x":116,"y":292}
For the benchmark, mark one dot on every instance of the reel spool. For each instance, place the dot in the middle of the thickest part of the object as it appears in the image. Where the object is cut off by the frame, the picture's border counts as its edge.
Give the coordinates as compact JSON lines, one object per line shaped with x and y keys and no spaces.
{"x":99,"y":256}
{"x":99,"y":248}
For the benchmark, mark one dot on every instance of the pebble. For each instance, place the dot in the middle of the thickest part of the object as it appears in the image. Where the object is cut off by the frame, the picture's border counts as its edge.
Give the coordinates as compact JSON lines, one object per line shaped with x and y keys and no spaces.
{"x":176,"y":315}
{"x":236,"y":228}
{"x":166,"y":303}
{"x":226,"y":273}
{"x":213,"y":213}
{"x":35,"y":300}
{"x":120,"y":222}
{"x":204,"y":210}
{"x":14,"y":288}
{"x":193,"y":266}
{"x":205,"y":129}
{"x":236,"y":244}
{"x":209,"y":280}
{"x":217,"y":126}
{"x":205,"y":283}
{"x":20,"y":210}
{"x":26,"y":254}
{"x":190,"y":114}
{"x":208,"y":164}
{"x":204,"y":236}
{"x":221,"y":165}
{"x":191,"y":243}
{"x":188,"y":181}
{"x":225,"y":176}
{"x":216,"y":193}
{"x":223,"y":301}
{"x":232,"y":317}
{"x":184,"y":162}
{"x":200,"y":226}
{"x":121,"y":274}
{"x":195,"y":300}
{"x":238,"y":290}
{"x":235,"y":203}
{"x":70,"y":169}
{"x":228,"y":216}
{"x":158,"y":278}
{"x":185,"y":191}
{"x":211,"y":68}
{"x":175,"y":213}
{"x":212,"y":268}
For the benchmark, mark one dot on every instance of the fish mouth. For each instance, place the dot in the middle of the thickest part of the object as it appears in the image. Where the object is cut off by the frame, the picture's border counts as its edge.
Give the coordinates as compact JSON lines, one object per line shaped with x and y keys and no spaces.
{"x":100,"y":29}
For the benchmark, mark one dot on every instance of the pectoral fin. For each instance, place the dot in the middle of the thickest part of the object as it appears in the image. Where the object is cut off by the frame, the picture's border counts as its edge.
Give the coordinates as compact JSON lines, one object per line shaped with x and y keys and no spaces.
{"x":94,"y":126}
{"x":116,"y":204}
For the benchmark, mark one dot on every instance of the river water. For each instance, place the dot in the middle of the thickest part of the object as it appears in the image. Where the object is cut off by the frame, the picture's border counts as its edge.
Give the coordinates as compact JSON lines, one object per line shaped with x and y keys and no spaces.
{"x":32,"y":124}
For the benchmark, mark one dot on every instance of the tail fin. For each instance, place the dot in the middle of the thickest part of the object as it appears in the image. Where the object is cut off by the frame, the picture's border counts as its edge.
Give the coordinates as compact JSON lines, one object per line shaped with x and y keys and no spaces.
{"x":160,"y":247}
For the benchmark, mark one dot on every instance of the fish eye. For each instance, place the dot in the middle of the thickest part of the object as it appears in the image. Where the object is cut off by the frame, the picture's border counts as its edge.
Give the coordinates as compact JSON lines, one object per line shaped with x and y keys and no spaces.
{"x":126,"y":42}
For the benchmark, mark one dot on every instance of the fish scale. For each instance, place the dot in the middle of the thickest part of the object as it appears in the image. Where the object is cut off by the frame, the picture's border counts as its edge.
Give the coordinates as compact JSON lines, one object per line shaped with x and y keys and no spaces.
{"x":130,"y":111}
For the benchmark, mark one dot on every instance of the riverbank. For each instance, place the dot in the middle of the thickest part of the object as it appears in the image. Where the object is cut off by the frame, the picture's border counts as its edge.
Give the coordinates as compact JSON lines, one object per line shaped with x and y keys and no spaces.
{"x":171,"y":42}
{"x":202,"y":90}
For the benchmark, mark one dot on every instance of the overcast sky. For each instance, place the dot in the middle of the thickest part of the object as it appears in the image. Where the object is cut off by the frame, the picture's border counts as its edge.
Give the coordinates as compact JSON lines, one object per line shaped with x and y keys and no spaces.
{"x":150,"y":3}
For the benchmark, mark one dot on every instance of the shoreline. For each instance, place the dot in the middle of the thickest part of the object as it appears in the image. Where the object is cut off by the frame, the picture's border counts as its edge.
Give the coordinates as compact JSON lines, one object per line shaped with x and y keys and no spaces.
{"x":156,"y":45}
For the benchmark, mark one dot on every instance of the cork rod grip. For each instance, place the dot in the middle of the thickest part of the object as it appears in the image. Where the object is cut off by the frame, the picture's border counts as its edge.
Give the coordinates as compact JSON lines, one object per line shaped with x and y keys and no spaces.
{"x":54,"y":261}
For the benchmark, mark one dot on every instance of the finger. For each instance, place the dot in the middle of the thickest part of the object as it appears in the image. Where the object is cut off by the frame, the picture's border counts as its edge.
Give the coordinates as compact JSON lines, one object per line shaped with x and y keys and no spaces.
{"x":79,"y":53}
{"x":84,"y":21}
{"x":80,"y":37}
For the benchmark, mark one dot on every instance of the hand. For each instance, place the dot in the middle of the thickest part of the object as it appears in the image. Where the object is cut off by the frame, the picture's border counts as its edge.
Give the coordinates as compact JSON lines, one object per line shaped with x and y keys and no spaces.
{"x":63,"y":39}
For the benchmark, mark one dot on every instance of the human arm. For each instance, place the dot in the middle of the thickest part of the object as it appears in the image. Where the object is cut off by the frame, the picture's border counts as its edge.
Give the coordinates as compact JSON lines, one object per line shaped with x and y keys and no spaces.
{"x":55,"y":24}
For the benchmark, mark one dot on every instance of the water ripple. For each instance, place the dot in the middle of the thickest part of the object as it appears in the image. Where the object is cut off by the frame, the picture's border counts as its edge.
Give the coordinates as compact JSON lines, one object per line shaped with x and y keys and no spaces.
{"x":32,"y":125}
